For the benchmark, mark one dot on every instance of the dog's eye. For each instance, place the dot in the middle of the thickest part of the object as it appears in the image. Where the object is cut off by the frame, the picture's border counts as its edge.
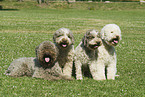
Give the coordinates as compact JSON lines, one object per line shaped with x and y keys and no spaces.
{"x":69,"y":36}
{"x":98,"y":36}
{"x":90,"y":37}
{"x":58,"y":35}
{"x":111,"y":31}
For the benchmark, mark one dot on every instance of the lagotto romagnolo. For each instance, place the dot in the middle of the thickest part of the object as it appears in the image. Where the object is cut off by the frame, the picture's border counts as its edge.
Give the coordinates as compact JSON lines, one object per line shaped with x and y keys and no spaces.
{"x":44,"y":65}
{"x":64,"y":41}
{"x":86,"y":54}
{"x":107,"y":59}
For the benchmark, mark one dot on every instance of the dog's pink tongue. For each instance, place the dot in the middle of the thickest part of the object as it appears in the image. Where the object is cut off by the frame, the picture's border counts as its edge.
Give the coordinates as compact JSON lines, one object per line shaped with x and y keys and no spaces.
{"x":115,"y":41}
{"x":64,"y":45}
{"x":95,"y":46}
{"x":47,"y":59}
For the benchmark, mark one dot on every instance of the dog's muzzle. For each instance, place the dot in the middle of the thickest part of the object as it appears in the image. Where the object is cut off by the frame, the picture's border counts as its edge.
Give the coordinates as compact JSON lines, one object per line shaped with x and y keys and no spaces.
{"x":96,"y":45}
{"x":47,"y":59}
{"x":115,"y":40}
{"x":64,"y":43}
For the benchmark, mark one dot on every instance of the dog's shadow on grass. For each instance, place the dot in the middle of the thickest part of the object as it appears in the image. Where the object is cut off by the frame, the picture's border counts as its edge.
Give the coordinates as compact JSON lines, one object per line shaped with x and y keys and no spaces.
{"x":9,"y":9}
{"x":1,"y":9}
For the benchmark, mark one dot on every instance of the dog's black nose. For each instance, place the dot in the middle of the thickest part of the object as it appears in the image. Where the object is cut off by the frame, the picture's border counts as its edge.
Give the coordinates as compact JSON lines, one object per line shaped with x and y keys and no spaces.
{"x":117,"y":36}
{"x":64,"y":40}
{"x":98,"y":42}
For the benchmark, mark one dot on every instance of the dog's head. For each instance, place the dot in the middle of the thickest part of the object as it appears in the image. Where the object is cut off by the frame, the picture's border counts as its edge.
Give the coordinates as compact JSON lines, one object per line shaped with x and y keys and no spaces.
{"x":63,"y":38}
{"x":46,"y":53}
{"x":111,"y":34}
{"x":92,"y":39}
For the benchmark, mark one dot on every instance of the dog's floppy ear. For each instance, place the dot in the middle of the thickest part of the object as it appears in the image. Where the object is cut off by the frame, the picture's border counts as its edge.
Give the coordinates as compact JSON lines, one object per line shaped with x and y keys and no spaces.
{"x":102,"y":36}
{"x":84,"y":40}
{"x":54,"y":37}
{"x":102,"y":33}
{"x":99,"y":34}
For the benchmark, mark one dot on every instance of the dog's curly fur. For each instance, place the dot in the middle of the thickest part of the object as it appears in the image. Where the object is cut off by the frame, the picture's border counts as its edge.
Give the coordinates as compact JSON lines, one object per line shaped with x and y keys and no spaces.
{"x":111,"y":35}
{"x":64,"y":40}
{"x":38,"y":67}
{"x":47,"y":50}
{"x":86,"y":54}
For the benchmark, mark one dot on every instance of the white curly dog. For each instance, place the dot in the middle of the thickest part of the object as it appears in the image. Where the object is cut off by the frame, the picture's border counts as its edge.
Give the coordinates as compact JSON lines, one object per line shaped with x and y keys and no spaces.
{"x":111,"y":35}
{"x":86,"y":54}
{"x":64,"y":40}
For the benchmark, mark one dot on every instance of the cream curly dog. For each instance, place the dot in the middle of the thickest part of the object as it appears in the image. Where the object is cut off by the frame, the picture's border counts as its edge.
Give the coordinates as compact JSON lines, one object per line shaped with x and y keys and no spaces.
{"x":64,"y":40}
{"x":111,"y":35}
{"x":43,"y":66}
{"x":86,"y":54}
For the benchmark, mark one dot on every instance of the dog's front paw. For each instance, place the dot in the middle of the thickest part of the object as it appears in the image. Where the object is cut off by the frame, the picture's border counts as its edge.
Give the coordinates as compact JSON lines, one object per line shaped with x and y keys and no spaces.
{"x":111,"y":78}
{"x":99,"y":78}
{"x":79,"y":78}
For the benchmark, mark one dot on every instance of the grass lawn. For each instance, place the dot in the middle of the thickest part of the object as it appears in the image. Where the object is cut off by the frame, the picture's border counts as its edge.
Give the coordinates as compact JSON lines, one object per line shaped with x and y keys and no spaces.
{"x":23,"y":29}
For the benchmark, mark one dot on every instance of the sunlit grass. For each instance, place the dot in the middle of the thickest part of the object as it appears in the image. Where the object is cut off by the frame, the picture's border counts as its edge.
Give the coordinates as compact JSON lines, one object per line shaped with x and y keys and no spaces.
{"x":22,"y":30}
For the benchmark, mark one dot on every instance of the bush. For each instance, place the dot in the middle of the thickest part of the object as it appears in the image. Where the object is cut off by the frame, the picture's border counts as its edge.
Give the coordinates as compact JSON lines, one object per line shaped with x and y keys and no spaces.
{"x":1,"y":7}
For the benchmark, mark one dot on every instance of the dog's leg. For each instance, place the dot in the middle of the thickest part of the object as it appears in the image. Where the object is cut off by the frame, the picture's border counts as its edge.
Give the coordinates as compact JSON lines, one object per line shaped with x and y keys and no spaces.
{"x":48,"y":75}
{"x":59,"y":73}
{"x":17,"y":68}
{"x":98,"y":71}
{"x":111,"y":71}
{"x":78,"y":66}
{"x":39,"y":73}
{"x":67,"y":70}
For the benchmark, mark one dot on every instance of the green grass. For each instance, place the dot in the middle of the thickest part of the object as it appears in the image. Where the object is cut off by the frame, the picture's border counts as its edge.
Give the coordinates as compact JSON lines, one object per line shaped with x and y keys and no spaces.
{"x":22,"y":30}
